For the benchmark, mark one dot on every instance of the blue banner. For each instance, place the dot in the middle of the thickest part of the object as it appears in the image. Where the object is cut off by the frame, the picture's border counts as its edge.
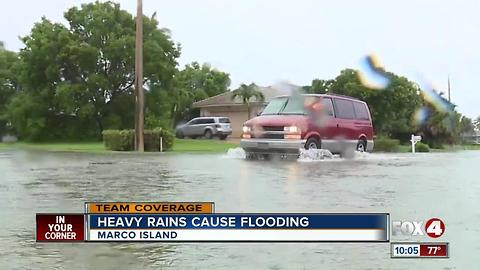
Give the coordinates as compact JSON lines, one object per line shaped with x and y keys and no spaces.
{"x":238,"y":221}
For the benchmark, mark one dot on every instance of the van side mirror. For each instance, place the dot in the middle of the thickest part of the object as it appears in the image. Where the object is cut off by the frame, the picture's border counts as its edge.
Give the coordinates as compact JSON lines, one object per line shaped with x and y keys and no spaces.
{"x":259,"y":113}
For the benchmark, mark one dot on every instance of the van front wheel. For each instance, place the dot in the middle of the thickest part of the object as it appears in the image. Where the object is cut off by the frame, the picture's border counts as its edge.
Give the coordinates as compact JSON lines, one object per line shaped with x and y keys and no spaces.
{"x":362,"y":146}
{"x":312,"y":143}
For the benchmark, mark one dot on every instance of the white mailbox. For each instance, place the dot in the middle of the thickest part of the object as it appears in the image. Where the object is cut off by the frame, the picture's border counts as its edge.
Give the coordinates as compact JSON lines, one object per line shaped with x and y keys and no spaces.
{"x":414,"y":139}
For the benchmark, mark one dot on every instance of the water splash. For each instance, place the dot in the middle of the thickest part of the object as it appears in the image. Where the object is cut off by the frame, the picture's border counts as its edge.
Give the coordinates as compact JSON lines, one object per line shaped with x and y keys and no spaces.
{"x":235,"y":153}
{"x":372,"y":73}
{"x":315,"y":155}
{"x":309,"y":155}
{"x":366,"y":156}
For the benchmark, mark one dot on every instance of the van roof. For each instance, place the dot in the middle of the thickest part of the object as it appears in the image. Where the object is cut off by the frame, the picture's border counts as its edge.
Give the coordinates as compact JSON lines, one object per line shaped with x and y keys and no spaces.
{"x":326,"y":95}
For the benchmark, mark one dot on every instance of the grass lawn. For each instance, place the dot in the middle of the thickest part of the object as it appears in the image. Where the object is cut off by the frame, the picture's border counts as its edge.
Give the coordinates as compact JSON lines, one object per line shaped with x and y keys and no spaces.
{"x":3,"y":146}
{"x":184,"y":145}
{"x":446,"y":148}
{"x":199,"y":145}
{"x":404,"y":148}
{"x":462,"y":147}
{"x":62,"y":147}
{"x":180,"y":146}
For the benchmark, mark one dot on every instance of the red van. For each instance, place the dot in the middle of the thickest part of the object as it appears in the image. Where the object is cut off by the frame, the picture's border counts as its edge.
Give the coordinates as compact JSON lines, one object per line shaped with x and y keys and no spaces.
{"x":288,"y":123}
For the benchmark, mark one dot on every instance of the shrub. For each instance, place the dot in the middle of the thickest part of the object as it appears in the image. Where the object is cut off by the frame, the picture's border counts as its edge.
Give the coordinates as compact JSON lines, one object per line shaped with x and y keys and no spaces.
{"x":386,"y":145}
{"x":119,"y":140}
{"x":152,"y":139}
{"x":124,"y":140}
{"x":422,"y":147}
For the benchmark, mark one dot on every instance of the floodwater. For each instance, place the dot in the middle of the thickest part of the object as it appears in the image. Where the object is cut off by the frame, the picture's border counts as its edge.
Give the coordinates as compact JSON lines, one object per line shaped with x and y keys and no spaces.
{"x":408,"y":186}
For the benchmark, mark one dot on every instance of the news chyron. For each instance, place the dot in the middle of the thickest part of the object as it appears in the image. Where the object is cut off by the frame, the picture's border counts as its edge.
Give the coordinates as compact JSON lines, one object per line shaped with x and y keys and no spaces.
{"x":422,"y":239}
{"x":199,"y":222}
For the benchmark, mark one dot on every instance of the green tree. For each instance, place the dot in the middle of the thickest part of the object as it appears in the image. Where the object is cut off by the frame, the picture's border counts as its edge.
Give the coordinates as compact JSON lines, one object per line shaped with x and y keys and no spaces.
{"x":78,"y":79}
{"x":465,"y":126}
{"x":8,"y":83}
{"x":440,"y":127}
{"x":35,"y":111}
{"x":318,"y":86}
{"x":194,"y":83}
{"x":248,"y":94}
{"x":392,"y":108}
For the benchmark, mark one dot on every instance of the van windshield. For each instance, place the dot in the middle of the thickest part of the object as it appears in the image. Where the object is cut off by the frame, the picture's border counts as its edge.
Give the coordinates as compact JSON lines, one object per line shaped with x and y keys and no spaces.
{"x":287,"y":105}
{"x":275,"y":106}
{"x":295,"y":105}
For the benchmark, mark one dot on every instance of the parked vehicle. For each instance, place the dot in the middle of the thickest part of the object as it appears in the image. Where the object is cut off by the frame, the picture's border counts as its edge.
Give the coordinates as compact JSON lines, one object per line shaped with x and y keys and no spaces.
{"x":288,"y":123}
{"x":207,"y":127}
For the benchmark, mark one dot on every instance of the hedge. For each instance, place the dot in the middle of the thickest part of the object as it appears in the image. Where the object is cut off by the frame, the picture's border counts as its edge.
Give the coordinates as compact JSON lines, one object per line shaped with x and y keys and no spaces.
{"x":151,"y":139}
{"x":119,"y":140}
{"x":422,"y":147}
{"x":124,"y":140}
{"x":386,"y":145}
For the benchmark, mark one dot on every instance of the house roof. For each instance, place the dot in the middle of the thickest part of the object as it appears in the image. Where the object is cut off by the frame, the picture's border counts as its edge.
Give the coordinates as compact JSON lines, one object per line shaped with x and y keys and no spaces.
{"x":225,"y":99}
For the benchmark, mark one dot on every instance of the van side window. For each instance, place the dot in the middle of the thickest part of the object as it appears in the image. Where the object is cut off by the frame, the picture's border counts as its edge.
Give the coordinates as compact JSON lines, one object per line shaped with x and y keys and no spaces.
{"x":344,"y":108}
{"x":361,"y":111}
{"x":328,"y":105}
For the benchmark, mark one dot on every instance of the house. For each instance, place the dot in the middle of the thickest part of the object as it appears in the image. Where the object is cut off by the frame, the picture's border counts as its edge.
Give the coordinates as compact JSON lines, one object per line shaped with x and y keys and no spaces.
{"x":473,"y":137}
{"x":223,"y":105}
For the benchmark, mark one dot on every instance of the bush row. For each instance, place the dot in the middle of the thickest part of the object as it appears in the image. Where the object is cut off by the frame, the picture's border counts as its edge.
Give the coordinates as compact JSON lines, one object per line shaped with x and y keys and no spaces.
{"x":422,"y":147}
{"x":386,"y":145}
{"x":124,"y":140}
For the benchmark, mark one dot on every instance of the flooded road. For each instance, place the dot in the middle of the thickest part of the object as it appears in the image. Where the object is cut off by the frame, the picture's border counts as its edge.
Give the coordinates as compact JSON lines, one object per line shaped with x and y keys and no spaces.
{"x":409,"y":187}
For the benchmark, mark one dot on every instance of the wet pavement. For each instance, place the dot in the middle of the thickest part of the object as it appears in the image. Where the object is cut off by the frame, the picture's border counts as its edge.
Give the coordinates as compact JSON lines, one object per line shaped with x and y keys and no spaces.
{"x":409,"y":187}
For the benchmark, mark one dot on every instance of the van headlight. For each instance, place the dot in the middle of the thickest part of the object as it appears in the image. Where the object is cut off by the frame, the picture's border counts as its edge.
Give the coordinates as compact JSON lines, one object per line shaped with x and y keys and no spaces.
{"x":292,"y":129}
{"x":246,"y":132}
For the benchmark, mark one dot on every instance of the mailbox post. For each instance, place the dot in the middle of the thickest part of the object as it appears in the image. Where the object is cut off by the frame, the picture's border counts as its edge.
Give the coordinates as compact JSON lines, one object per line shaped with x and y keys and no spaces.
{"x":414,"y":139}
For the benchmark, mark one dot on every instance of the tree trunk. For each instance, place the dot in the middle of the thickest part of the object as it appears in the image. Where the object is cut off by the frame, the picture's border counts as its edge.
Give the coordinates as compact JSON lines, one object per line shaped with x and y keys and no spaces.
{"x":174,"y":115}
{"x":98,"y":119}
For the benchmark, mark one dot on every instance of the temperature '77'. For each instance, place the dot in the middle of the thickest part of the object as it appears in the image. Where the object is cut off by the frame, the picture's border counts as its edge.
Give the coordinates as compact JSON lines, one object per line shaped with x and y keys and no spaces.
{"x":433,"y":250}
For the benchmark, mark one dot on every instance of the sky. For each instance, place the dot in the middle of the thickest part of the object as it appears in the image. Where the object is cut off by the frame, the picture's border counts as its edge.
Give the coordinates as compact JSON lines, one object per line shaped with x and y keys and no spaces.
{"x":271,"y":41}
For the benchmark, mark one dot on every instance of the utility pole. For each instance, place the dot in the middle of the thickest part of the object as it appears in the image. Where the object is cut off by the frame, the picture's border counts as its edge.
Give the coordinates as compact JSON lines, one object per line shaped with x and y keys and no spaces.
{"x":139,"y":95}
{"x":449,"y":100}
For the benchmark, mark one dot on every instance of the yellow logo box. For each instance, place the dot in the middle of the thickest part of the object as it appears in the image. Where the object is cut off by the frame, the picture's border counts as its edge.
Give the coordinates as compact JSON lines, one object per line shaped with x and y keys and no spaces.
{"x":150,"y":207}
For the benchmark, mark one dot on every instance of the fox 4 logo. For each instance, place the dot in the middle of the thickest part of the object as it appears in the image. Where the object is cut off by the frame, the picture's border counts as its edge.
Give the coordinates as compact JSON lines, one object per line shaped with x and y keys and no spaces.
{"x":434,"y":228}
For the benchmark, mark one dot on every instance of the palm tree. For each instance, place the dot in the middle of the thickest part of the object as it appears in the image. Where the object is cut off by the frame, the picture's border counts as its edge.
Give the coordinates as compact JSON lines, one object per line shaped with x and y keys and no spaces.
{"x":246,"y":93}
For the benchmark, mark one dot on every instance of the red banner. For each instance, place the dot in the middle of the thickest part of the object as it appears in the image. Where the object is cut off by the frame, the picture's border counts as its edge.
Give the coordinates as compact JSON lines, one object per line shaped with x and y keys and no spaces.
{"x":434,"y":250}
{"x":60,"y":227}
